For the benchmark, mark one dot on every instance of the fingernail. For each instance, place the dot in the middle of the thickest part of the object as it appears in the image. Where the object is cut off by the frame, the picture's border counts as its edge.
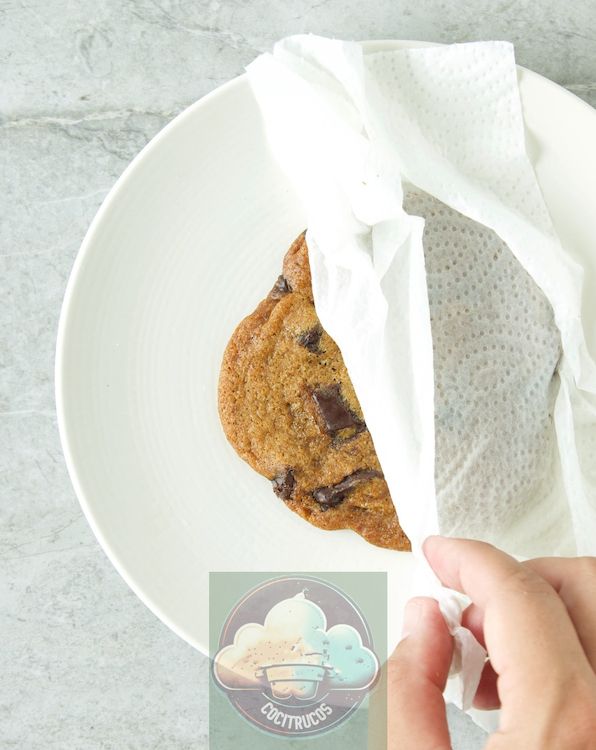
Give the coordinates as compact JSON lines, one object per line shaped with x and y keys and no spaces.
{"x":412,"y":614}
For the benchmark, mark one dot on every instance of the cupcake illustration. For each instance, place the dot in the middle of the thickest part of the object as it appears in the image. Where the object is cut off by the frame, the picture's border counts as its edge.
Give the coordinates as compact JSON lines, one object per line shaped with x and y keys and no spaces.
{"x":295,"y":680}
{"x":292,"y":654}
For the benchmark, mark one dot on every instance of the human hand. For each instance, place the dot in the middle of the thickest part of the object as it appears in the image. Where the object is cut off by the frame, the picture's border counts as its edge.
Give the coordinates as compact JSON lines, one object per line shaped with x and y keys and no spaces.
{"x":536,"y":619}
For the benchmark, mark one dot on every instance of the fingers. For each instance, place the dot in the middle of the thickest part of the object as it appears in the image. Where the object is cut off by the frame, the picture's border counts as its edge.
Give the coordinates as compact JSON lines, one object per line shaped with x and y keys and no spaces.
{"x":417,"y":673}
{"x":529,"y":635}
{"x":574,"y":579}
{"x":473,"y":619}
{"x":487,"y":696}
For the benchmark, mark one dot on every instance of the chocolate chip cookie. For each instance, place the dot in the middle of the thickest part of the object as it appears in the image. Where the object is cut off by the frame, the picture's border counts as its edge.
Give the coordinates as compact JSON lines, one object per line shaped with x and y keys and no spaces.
{"x":288,"y":408}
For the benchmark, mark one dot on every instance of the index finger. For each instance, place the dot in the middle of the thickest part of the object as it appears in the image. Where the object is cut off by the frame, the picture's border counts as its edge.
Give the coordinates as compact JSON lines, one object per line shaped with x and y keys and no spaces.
{"x":530,"y":638}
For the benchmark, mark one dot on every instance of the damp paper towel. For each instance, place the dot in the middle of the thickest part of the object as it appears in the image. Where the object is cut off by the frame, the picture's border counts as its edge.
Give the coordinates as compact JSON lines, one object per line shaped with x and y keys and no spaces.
{"x":437,"y":271}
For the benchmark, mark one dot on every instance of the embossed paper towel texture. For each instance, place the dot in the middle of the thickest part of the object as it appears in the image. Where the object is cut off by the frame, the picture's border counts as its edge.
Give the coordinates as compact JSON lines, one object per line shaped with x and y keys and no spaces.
{"x":466,"y":438}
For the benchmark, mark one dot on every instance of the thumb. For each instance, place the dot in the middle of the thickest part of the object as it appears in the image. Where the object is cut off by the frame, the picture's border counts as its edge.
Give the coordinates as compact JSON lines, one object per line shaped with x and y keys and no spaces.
{"x":416,"y":676}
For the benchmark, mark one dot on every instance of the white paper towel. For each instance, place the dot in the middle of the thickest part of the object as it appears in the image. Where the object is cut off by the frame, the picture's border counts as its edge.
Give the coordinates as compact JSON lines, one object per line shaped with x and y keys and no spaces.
{"x":350,"y":129}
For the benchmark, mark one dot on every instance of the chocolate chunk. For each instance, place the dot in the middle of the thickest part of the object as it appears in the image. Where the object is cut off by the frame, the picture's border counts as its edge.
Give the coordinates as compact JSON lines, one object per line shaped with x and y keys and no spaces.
{"x":310,"y":339}
{"x":330,"y":497}
{"x":334,"y":411}
{"x":283,"y":484}
{"x":280,"y":288}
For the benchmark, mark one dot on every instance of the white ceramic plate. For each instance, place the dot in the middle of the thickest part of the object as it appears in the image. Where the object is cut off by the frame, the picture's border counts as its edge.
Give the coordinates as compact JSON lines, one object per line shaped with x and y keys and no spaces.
{"x":188,"y":241}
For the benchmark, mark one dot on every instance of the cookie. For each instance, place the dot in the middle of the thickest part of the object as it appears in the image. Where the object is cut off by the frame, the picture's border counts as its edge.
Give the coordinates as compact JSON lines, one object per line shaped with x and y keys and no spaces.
{"x":289,"y":409}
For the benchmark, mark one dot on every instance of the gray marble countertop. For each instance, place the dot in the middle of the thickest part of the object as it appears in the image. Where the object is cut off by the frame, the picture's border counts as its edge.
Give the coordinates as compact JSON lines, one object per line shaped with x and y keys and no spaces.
{"x":84,"y":85}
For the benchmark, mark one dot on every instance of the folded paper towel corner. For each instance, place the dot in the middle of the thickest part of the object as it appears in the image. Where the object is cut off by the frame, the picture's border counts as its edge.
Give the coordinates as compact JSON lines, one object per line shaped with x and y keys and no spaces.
{"x":368,"y":139}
